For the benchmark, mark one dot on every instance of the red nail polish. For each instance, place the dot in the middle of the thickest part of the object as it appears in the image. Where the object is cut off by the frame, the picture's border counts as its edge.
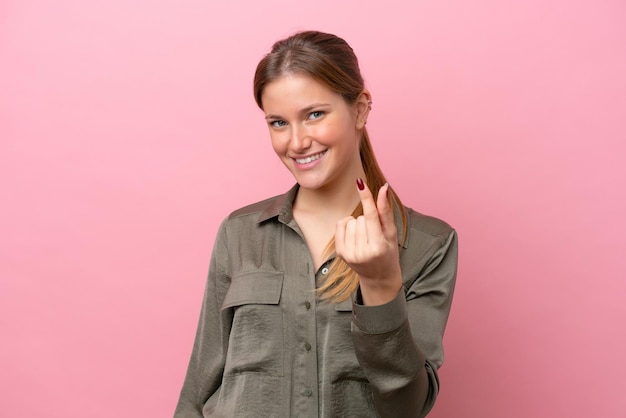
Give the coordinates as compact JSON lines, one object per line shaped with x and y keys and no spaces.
{"x":359,"y":184}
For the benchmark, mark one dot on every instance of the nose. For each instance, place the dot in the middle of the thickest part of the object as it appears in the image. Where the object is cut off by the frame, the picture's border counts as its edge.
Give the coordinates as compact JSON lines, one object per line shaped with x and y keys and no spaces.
{"x":300,"y":139}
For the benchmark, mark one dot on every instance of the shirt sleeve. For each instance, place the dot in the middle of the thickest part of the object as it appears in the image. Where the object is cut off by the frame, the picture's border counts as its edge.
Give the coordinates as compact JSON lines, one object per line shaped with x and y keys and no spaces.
{"x":399,"y":344}
{"x":206,"y":366}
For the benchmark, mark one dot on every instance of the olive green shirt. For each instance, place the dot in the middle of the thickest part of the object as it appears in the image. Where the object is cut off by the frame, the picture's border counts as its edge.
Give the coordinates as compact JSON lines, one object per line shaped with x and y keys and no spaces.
{"x":266,"y":346}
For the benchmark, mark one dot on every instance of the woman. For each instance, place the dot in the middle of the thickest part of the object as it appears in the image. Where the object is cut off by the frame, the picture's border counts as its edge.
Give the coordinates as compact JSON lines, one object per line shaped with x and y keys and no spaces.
{"x":330,"y":300}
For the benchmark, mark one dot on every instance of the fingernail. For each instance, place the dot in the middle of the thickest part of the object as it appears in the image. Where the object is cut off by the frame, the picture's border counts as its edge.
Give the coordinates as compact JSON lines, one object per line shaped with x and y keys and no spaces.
{"x":359,"y":183}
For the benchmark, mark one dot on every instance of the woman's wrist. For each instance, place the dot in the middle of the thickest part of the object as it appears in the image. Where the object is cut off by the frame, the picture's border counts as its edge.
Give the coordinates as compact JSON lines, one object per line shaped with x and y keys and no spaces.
{"x":378,"y":292}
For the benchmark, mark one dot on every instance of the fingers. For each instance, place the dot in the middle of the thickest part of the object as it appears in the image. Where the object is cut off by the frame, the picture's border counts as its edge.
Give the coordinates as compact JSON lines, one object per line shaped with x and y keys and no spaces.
{"x":360,"y":234}
{"x":351,"y":239}
{"x":385,"y":213}
{"x":370,"y":212}
{"x":345,"y":236}
{"x":367,"y":200}
{"x":368,"y":234}
{"x":379,"y":214}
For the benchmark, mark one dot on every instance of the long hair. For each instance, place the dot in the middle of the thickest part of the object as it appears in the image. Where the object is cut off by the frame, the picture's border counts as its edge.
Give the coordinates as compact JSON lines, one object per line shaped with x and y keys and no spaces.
{"x":331,"y":61}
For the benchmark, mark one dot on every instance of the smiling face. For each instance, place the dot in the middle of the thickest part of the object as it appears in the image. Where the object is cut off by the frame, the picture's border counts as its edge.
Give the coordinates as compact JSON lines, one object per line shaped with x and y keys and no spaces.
{"x":314,"y":131}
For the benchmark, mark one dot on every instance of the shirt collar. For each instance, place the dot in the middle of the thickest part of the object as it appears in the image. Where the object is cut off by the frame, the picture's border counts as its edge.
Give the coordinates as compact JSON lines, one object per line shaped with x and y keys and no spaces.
{"x":282,"y":208}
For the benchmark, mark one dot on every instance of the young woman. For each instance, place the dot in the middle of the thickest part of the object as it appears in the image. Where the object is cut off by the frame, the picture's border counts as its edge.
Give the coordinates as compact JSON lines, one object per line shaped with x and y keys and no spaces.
{"x":330,"y":300}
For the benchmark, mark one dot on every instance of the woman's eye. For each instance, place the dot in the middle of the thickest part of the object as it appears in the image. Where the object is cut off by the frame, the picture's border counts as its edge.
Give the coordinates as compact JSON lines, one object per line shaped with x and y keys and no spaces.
{"x":278,"y":123}
{"x":315,"y":115}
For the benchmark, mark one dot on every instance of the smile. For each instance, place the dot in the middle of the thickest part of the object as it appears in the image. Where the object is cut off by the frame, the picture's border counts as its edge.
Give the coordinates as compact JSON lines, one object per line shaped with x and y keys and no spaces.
{"x":310,"y":158}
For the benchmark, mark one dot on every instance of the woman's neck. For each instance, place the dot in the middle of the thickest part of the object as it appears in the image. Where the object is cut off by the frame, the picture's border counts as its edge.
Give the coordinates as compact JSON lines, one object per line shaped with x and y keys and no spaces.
{"x":334,"y":201}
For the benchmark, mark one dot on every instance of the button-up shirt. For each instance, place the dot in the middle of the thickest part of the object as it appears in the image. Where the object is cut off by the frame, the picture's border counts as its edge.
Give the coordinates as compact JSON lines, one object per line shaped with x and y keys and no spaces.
{"x":267,"y":346}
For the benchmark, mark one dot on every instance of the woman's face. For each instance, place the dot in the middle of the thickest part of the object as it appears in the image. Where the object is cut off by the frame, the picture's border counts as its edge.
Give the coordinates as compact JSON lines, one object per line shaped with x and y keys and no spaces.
{"x":314,"y":132}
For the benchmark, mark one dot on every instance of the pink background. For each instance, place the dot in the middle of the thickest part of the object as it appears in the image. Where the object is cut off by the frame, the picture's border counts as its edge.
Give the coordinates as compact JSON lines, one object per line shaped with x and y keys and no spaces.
{"x":128,"y":131}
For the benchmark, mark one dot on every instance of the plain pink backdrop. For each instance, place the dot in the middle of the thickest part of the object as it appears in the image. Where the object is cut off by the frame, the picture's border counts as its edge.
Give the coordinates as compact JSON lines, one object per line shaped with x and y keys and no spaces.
{"x":128,"y":131}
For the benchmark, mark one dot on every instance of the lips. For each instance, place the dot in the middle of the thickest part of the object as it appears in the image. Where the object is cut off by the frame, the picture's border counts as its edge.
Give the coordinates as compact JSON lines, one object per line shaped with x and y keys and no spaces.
{"x":310,"y":158}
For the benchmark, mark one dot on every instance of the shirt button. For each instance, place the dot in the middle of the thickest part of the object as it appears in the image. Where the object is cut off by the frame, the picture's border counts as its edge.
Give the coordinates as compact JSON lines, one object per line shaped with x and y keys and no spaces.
{"x":325,"y":270}
{"x":307,"y":305}
{"x":308,"y":392}
{"x":307,"y":346}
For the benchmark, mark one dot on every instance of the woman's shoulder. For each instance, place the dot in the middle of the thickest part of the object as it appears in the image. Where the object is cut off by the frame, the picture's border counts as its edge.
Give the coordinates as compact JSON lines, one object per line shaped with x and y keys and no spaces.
{"x":427,"y":224}
{"x":257,"y":207}
{"x":244,"y":221}
{"x":267,"y":208}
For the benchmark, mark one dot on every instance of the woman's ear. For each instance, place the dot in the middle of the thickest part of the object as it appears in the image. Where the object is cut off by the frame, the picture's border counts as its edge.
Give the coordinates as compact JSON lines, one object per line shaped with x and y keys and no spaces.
{"x":363,"y":107}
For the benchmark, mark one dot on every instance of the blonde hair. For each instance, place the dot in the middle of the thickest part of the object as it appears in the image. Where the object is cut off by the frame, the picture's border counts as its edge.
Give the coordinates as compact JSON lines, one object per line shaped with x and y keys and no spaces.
{"x":330,"y":60}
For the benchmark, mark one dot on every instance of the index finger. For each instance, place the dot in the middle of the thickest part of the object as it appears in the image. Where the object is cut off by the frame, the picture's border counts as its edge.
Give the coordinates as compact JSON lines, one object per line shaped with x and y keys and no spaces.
{"x":370,"y":212}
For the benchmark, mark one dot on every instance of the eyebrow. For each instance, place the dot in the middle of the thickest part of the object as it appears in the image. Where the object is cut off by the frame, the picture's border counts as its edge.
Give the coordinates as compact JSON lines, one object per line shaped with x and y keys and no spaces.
{"x":302,"y":111}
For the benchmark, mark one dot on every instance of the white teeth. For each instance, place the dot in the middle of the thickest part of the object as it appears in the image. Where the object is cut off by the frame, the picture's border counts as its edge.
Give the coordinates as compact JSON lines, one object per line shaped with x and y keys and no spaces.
{"x":309,"y":159}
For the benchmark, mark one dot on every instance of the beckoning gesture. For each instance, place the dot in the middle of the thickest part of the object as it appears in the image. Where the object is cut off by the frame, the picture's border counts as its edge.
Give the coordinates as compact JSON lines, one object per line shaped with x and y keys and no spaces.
{"x":369,"y":245}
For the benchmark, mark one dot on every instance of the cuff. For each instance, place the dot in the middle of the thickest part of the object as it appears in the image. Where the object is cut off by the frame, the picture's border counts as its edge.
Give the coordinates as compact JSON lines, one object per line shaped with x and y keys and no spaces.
{"x":382,"y":318}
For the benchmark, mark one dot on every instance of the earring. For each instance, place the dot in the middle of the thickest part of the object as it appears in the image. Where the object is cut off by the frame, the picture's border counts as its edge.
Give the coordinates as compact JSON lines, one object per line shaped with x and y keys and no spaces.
{"x":369,"y":105}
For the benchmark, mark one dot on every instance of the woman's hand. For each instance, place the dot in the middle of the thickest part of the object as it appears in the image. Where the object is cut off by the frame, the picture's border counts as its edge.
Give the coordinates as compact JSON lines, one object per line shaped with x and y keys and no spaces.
{"x":369,"y":245}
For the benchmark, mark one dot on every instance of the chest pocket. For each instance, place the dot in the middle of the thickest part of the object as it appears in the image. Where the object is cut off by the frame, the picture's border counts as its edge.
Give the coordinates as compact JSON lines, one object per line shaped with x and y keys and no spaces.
{"x":256,"y":340}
